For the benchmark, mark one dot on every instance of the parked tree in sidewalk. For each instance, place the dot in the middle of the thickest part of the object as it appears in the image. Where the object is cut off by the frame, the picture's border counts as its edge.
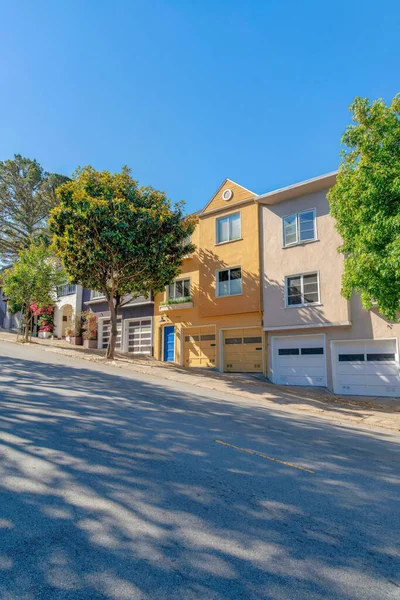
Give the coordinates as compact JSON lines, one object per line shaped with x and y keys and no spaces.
{"x":118,"y":238}
{"x":27,"y":193}
{"x":366,"y":205}
{"x":32,"y":280}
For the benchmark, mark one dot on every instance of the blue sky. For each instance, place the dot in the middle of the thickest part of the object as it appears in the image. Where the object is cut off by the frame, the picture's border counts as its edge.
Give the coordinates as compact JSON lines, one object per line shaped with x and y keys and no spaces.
{"x":187,"y":93}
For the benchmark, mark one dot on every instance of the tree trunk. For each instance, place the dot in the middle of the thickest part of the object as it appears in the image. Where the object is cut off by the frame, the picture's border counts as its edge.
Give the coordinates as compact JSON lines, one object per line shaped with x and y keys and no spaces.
{"x":27,"y":324}
{"x":113,"y":334}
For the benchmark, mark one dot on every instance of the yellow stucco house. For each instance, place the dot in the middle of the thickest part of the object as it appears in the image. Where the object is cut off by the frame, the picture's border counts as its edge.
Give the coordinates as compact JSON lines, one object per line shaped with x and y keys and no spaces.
{"x":211,"y":315}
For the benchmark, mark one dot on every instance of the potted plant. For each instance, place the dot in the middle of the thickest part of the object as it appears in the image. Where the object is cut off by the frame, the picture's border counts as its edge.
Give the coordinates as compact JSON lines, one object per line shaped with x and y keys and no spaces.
{"x":89,"y":328}
{"x":45,"y":320}
{"x":73,"y":334}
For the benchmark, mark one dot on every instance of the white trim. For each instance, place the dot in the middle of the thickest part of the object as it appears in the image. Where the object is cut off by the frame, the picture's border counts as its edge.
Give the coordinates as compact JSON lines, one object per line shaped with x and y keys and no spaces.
{"x":236,"y":212}
{"x":180,"y":278}
{"x":309,"y":326}
{"x":295,"y":186}
{"x":125,"y":327}
{"x":279,"y":337}
{"x":175,"y":306}
{"x":100,"y":331}
{"x":298,"y":241}
{"x":216,"y":281}
{"x":97,"y":301}
{"x":352,"y":341}
{"x":122,"y":306}
{"x":304,"y":304}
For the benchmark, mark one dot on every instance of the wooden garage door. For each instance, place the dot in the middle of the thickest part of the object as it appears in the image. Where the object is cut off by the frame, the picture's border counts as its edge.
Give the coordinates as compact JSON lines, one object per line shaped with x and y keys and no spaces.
{"x":243,"y":351}
{"x":199,"y":347}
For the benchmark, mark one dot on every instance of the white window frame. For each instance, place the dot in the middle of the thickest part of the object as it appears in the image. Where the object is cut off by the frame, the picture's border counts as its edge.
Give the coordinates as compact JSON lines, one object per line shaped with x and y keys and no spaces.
{"x":287,"y":277}
{"x":238,"y":212}
{"x":93,"y":297}
{"x":167,"y":296}
{"x":299,"y":242}
{"x":217,"y":286}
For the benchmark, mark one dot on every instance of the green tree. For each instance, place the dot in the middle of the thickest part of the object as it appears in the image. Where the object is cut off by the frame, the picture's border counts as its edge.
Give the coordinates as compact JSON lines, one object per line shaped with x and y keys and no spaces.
{"x":366,"y":205}
{"x":32,"y":279}
{"x":27,"y":193}
{"x":118,"y":238}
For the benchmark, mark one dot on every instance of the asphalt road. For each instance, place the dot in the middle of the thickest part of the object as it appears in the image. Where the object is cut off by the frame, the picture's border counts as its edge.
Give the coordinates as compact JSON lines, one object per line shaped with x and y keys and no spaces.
{"x":112,"y":485}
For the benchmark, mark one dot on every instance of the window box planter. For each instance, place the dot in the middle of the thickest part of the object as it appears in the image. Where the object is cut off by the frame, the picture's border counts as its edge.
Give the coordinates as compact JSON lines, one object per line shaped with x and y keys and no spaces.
{"x":89,"y":343}
{"x":176,"y":306}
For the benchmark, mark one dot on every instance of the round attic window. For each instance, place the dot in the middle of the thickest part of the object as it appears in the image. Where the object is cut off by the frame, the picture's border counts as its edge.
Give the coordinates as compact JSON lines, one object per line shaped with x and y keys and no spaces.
{"x":227,"y":194}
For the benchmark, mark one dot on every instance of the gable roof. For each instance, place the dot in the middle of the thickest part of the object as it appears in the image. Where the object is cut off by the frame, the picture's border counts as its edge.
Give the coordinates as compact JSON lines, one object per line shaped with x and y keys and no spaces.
{"x":219,"y":189}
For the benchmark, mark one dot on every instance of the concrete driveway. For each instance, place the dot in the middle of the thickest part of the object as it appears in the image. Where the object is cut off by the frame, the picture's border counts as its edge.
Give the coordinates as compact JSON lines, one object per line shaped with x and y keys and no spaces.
{"x":116,"y":485}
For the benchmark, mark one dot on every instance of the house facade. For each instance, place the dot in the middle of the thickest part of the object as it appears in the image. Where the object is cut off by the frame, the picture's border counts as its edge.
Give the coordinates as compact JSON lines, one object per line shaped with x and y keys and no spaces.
{"x":211,"y":315}
{"x":312,"y":335}
{"x":135,"y":322}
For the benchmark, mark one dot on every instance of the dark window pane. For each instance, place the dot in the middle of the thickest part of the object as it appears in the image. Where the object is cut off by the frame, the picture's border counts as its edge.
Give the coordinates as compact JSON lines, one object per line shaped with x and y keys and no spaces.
{"x":206,"y":338}
{"x":179,"y":289}
{"x":293,"y":300}
{"x":351,"y":357}
{"x":312,"y":278}
{"x":234,"y":340}
{"x":186,"y":287}
{"x":236,"y":273}
{"x":381,"y":357}
{"x":312,"y":350}
{"x":223,"y":275}
{"x":252,"y":340}
{"x":288,"y":351}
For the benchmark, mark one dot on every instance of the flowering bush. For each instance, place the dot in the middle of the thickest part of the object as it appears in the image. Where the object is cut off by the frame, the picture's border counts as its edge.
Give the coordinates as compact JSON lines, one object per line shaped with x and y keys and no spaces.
{"x":46,"y":317}
{"x":89,"y":325}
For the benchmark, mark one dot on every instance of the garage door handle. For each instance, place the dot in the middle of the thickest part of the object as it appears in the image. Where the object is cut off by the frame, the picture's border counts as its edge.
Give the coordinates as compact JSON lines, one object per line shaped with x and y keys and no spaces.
{"x":212,"y":344}
{"x":258,"y":348}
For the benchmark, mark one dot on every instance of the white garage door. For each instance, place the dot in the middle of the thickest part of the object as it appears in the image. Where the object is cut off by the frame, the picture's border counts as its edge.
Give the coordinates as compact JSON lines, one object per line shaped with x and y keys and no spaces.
{"x":137,"y":336}
{"x":366,"y":368}
{"x":105,"y":331}
{"x":299,"y":360}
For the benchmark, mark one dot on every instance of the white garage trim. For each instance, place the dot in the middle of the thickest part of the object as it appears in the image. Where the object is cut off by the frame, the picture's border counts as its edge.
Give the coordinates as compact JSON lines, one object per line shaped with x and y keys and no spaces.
{"x":125,"y":332}
{"x":363,"y":387}
{"x":276,"y":339}
{"x":100,"y":330}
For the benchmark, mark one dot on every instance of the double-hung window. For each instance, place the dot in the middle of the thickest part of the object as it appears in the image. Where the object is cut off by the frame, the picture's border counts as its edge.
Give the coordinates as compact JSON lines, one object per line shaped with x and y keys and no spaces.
{"x":302,"y":290}
{"x":228,"y":228}
{"x":178,"y":290}
{"x":229,"y":282}
{"x":299,"y":227}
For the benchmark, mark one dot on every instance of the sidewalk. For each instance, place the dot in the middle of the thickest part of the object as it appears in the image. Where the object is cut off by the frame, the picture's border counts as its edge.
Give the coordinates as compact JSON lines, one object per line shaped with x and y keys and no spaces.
{"x":366,"y":411}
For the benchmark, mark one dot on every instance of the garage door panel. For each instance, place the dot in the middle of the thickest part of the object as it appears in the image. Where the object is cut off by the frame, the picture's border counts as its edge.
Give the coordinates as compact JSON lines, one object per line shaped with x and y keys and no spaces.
{"x":299,"y":360}
{"x":199,"y":346}
{"x":243,"y":350}
{"x":375,"y":374}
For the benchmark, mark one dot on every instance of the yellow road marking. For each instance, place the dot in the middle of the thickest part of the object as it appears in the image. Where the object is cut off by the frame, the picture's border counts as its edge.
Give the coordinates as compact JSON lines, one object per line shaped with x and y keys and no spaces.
{"x":281,"y":462}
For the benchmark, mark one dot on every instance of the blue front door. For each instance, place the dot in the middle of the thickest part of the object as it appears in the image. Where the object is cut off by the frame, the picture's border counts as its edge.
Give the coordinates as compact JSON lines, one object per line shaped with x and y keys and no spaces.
{"x":169,"y":343}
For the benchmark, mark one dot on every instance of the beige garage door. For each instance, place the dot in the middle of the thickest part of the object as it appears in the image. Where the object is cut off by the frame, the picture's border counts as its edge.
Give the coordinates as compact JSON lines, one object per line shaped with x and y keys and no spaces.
{"x":243,"y":351}
{"x":199,"y":347}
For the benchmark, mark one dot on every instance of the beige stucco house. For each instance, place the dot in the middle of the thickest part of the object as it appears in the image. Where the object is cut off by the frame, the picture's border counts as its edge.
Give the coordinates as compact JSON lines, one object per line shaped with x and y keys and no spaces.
{"x":312,"y":335}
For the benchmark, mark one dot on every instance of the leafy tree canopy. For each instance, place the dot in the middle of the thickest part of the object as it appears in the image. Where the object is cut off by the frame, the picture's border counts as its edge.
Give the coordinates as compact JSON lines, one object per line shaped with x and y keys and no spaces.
{"x":33,"y":279}
{"x":366,"y":205}
{"x":27,"y":193}
{"x":116,"y":237}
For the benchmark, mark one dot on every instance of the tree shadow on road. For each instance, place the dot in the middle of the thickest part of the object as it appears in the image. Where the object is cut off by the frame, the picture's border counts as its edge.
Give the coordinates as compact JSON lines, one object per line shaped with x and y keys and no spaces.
{"x":113,"y":487}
